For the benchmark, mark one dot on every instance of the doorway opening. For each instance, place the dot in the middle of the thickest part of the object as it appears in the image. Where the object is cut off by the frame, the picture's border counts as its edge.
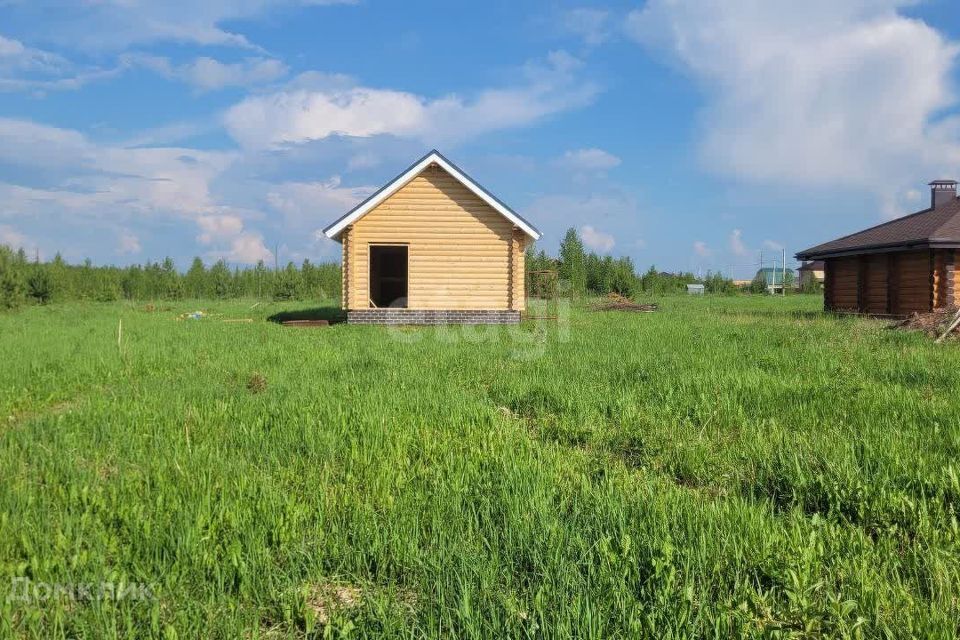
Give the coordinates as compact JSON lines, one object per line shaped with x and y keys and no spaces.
{"x":388,"y":276}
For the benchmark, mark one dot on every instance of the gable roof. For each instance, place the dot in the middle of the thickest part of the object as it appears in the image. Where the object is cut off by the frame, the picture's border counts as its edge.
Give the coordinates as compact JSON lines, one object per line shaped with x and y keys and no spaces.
{"x":434,"y":157}
{"x":930,"y":228}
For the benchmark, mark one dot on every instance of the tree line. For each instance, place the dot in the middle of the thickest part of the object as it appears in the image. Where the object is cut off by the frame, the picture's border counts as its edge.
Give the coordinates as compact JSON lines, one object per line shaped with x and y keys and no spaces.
{"x":582,"y":273}
{"x":573,"y":272}
{"x":23,"y":281}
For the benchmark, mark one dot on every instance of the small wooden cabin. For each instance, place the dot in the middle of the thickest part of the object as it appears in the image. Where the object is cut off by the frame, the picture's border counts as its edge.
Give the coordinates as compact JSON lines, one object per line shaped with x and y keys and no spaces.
{"x":897,"y":268}
{"x":433,"y":247}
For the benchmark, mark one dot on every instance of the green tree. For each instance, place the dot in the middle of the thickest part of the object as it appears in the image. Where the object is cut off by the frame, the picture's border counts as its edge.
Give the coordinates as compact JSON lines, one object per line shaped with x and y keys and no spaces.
{"x":220,"y":280}
{"x":287,"y":285}
{"x":195,"y":282}
{"x":716,"y":283}
{"x":572,"y":263}
{"x":61,"y":279}
{"x":131,"y":286}
{"x":170,"y":283}
{"x":262,"y":279}
{"x":40,"y":284}
{"x":12,"y":286}
{"x":621,"y":277}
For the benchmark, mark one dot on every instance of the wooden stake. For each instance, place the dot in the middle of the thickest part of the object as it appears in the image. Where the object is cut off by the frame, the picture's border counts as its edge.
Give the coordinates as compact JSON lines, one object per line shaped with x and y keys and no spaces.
{"x":120,"y":334}
{"x":953,"y":325}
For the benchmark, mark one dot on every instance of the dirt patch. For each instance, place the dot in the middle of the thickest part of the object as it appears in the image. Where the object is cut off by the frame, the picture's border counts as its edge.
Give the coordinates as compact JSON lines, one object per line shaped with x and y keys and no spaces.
{"x":617,"y":302}
{"x":327,"y":598}
{"x":56,"y":409}
{"x":257,"y":383}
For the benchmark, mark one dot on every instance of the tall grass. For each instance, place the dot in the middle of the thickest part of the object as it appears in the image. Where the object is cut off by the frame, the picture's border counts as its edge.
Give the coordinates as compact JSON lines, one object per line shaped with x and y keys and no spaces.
{"x":724,"y":467}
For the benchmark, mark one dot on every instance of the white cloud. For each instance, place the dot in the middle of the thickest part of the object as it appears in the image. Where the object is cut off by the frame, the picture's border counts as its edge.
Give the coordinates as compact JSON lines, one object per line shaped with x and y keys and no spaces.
{"x":818,"y":93}
{"x":16,"y":56}
{"x":564,"y":210}
{"x":301,"y":116}
{"x":243,"y":246}
{"x":208,"y":74}
{"x":80,"y":182}
{"x":591,"y":25}
{"x":40,"y":86}
{"x":737,"y":247}
{"x":164,"y":135}
{"x":129,"y":243}
{"x":118,"y":24}
{"x":10,"y":237}
{"x":363,"y":160}
{"x":701,"y":249}
{"x":144,"y":179}
{"x":73,"y":182}
{"x":312,"y":201}
{"x":24,"y":68}
{"x":773,"y":245}
{"x":247,"y":248}
{"x":589,"y":160}
{"x":218,"y":227}
{"x":301,"y":113}
{"x":37,"y":145}
{"x":596,"y":240}
{"x":325,"y":246}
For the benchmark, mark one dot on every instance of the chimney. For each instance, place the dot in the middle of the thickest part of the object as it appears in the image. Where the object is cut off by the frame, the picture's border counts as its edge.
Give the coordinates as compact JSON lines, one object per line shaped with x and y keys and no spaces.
{"x":942,"y":192}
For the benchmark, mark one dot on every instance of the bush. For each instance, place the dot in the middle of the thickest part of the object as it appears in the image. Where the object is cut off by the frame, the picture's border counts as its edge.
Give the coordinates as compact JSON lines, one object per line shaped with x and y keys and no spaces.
{"x":40,"y":284}
{"x":287,"y":284}
{"x":12,"y":286}
{"x":716,"y":283}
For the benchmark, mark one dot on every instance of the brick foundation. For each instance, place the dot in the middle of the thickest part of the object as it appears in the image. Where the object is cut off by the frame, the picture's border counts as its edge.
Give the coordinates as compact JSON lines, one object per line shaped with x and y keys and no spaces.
{"x":432,"y":316}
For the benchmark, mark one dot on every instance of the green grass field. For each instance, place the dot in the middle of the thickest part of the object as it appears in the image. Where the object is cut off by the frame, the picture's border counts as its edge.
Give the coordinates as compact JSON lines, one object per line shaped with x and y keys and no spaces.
{"x":734,"y":466}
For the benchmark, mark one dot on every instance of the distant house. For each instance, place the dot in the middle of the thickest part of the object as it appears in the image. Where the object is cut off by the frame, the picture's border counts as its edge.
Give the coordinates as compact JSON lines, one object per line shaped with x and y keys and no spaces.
{"x":811,"y":273}
{"x":433,"y":246}
{"x":773,"y":277}
{"x":899,"y":267}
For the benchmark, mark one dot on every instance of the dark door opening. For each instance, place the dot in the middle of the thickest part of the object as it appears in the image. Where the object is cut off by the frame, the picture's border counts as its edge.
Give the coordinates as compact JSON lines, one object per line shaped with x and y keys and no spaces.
{"x":388,"y":276}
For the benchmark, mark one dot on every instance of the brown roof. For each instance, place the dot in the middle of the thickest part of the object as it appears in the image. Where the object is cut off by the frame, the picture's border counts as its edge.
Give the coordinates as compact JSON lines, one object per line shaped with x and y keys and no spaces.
{"x":816,"y":265}
{"x":939,"y":227}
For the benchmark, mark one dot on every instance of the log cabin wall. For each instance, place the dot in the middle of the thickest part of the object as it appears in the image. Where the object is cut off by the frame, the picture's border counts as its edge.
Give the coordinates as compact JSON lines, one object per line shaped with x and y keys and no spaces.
{"x":951,"y":274}
{"x":843,"y":274}
{"x":938,"y":278}
{"x":898,"y":283}
{"x":874,"y":295}
{"x":463,"y":254}
{"x":915,"y":286}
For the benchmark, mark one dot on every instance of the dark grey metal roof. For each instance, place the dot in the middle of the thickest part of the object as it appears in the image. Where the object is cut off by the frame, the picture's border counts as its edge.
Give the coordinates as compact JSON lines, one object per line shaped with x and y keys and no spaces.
{"x":935,"y":227}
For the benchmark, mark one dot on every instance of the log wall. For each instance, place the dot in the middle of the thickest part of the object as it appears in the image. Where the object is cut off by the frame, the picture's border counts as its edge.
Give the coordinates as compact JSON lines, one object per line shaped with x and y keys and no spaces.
{"x":874,"y":295}
{"x":463,"y":254}
{"x":915,"y":289}
{"x":897,"y":283}
{"x":843,"y":274}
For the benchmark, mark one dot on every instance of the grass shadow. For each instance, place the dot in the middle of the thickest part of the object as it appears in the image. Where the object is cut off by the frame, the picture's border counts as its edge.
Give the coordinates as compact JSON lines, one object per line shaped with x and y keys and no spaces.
{"x":333,"y":315}
{"x":776,"y":313}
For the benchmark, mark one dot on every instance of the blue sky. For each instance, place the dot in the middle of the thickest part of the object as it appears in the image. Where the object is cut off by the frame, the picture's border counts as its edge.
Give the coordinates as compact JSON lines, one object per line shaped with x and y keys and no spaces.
{"x":690,"y":134}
